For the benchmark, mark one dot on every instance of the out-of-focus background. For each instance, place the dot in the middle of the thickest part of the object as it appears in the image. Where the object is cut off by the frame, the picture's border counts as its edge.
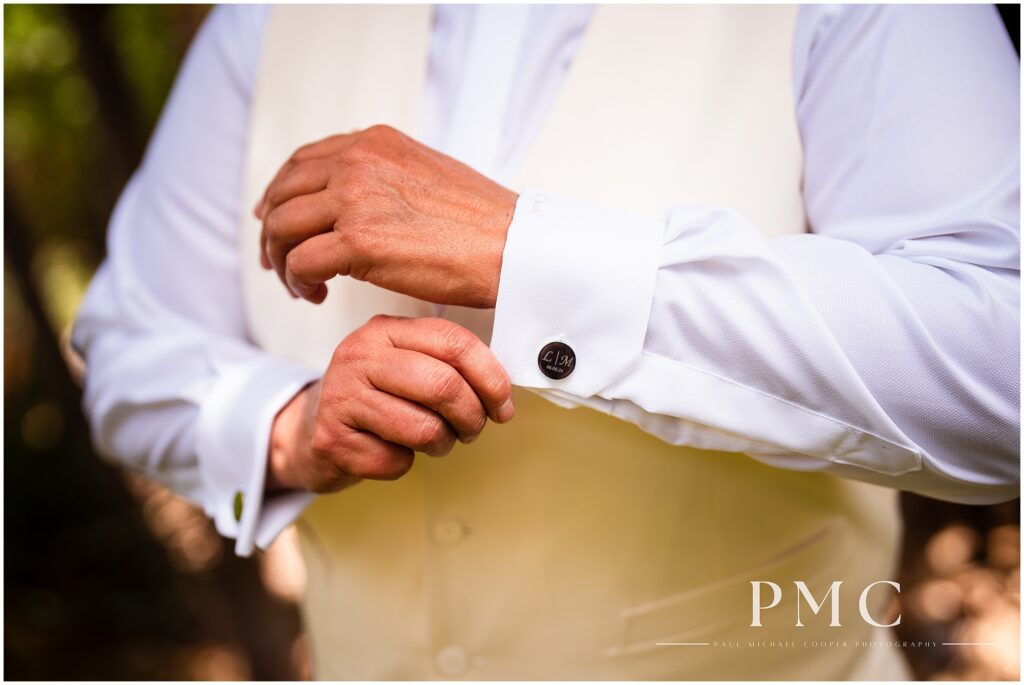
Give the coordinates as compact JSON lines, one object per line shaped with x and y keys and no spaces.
{"x":108,"y":576}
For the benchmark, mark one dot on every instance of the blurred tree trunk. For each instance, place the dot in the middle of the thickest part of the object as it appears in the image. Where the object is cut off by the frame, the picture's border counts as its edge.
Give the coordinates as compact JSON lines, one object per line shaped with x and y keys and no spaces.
{"x":120,"y":116}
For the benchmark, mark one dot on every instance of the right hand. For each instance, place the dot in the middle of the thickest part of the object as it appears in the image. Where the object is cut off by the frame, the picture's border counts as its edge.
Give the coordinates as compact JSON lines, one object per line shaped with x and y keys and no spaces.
{"x":393,"y":386}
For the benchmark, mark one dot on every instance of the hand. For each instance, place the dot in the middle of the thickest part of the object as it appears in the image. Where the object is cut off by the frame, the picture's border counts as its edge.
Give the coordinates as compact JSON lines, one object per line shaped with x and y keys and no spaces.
{"x":380,"y":207}
{"x":393,"y":386}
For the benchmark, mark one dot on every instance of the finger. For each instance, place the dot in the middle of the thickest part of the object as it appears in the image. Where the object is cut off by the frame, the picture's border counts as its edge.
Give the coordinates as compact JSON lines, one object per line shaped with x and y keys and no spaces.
{"x":330,"y":145}
{"x":288,"y":225}
{"x":365,"y":455}
{"x":264,"y":260}
{"x":461,"y":349}
{"x":432,"y":383}
{"x":321,"y":148}
{"x":313,"y":262}
{"x":403,"y":422}
{"x":301,"y":178}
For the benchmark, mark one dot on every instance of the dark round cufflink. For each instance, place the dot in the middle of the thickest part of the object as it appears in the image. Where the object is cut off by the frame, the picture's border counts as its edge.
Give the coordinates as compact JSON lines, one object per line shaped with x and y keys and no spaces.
{"x":556,"y":360}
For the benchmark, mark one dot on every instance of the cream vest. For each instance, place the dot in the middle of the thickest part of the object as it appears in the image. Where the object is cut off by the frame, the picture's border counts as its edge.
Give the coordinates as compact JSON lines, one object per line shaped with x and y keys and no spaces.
{"x":568,"y":544}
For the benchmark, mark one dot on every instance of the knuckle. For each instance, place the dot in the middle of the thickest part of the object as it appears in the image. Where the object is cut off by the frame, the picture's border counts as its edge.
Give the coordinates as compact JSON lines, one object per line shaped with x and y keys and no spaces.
{"x":445,"y":385}
{"x":270,"y":225}
{"x":349,"y":352}
{"x":478,"y":422}
{"x":293,"y":261}
{"x":323,"y":441}
{"x":373,"y":333}
{"x":431,"y":436}
{"x":455,"y":340}
{"x":311,"y":149}
{"x":270,"y":195}
{"x":499,"y":385}
{"x":380,"y":321}
{"x":275,"y":194}
{"x":360,"y":153}
{"x":380,"y":131}
{"x":371,"y":143}
{"x":274,"y":224}
{"x":342,"y":352}
{"x":351,"y":188}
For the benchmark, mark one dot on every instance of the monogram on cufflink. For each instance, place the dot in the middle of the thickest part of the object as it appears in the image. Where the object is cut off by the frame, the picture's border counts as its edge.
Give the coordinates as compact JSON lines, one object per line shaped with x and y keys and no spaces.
{"x":556,"y":360}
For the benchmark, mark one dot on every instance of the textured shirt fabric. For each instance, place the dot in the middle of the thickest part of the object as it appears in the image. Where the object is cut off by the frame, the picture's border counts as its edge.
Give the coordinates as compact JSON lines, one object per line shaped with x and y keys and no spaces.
{"x":882,"y":346}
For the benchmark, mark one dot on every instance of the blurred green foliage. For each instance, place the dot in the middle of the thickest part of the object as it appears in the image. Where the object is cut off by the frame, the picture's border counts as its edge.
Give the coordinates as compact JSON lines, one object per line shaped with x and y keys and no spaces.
{"x":57,"y":141}
{"x":49,"y":110}
{"x":153,"y":38}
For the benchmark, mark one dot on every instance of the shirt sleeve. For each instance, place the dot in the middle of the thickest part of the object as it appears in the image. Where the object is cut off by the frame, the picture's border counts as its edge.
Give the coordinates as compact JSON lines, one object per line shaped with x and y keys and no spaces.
{"x":883,"y":346}
{"x":173,"y":387}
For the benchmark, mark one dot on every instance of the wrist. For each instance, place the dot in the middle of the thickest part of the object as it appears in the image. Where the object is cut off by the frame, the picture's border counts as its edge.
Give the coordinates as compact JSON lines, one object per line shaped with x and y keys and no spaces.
{"x":289,"y":436}
{"x":497,"y":235}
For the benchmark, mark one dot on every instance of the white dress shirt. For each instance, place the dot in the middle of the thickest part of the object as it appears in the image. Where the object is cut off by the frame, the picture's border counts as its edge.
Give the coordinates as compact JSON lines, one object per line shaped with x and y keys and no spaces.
{"x":882,"y":346}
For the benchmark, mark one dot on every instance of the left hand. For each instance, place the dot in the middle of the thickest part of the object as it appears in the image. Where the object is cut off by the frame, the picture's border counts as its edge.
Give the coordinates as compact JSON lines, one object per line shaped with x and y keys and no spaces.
{"x":380,"y":207}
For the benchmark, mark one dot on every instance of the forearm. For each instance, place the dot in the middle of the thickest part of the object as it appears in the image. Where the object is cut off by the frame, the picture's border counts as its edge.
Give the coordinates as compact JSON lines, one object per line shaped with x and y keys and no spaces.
{"x":883,"y":346}
{"x":785,"y":350}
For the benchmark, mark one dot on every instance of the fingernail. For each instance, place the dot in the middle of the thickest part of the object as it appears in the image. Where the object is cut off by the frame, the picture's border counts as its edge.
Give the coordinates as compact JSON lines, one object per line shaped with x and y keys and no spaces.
{"x":506,"y":411}
{"x":469,"y":439}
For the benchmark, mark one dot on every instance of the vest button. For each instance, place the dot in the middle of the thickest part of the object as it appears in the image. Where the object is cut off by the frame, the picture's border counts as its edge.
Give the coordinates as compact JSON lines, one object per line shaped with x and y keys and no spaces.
{"x":451,"y":661}
{"x":556,"y":360}
{"x":449,"y":531}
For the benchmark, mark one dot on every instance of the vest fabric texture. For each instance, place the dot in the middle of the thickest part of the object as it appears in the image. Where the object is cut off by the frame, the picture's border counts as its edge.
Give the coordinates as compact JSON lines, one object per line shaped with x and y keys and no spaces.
{"x":568,"y":544}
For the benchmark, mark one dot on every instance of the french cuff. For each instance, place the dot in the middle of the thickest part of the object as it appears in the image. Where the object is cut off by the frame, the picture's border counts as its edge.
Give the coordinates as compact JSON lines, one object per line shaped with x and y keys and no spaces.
{"x":575,"y":293}
{"x":235,"y":420}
